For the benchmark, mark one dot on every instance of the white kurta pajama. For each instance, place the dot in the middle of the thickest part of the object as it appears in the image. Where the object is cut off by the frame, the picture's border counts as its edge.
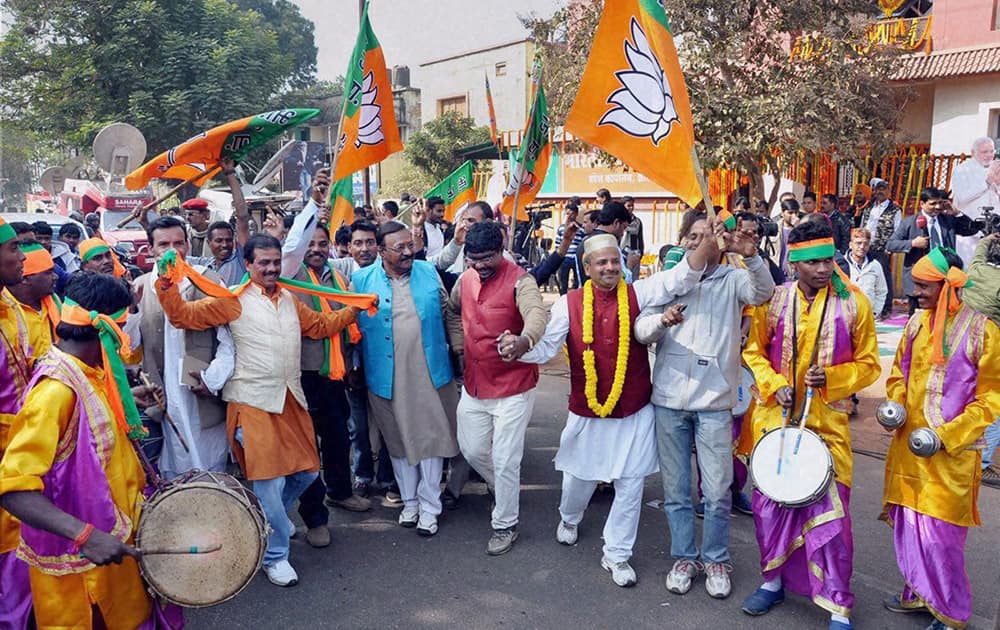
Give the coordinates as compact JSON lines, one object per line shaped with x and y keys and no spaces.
{"x":208,"y":449}
{"x":621,"y":451}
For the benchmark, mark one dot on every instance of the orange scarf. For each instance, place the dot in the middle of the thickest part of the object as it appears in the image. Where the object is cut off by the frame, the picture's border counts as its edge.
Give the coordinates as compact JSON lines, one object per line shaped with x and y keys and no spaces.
{"x":333,"y":364}
{"x":934,"y":267}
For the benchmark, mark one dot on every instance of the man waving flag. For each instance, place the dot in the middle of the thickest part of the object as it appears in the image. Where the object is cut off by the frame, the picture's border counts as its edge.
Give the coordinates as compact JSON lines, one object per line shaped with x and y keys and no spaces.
{"x":633,"y":102}
{"x":368,"y":131}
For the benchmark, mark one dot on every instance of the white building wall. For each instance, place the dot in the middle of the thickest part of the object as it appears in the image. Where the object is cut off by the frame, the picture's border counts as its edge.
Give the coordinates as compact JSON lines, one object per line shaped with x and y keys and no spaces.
{"x":464,"y":76}
{"x":964,"y":109}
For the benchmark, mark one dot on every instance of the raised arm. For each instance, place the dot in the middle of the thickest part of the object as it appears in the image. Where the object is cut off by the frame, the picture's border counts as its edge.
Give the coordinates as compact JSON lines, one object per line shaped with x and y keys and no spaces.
{"x":240,"y":212}
{"x":200,"y":314}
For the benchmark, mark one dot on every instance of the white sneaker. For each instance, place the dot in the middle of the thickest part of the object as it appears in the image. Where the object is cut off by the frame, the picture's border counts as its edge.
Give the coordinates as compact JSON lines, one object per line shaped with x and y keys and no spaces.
{"x":408,"y":517}
{"x":622,"y":573}
{"x":717,"y":581}
{"x":680,"y":576}
{"x":281,"y":573}
{"x":427,"y":525}
{"x":566,"y":533}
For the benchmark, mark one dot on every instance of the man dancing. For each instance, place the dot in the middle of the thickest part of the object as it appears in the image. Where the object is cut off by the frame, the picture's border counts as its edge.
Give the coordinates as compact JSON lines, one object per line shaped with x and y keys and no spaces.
{"x":816,"y":333}
{"x":945,"y":374}
{"x":71,"y":475}
{"x":610,"y":432}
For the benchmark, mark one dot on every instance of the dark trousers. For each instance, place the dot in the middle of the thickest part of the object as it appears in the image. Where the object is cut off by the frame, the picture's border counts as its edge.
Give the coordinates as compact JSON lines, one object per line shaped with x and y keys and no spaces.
{"x":884,"y":259}
{"x":563,"y":276}
{"x":361,"y":447}
{"x":328,"y":407}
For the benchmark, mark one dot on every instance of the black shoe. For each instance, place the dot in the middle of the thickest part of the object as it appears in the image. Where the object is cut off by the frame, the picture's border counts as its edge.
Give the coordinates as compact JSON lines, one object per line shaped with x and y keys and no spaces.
{"x":448,"y":500}
{"x":896,"y":605}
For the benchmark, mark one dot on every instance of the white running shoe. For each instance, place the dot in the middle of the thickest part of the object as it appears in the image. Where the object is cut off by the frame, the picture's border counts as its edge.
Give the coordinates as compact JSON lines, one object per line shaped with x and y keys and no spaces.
{"x":566,"y":534}
{"x":680,"y":576}
{"x":717,"y":581}
{"x":427,"y":525}
{"x":281,"y":573}
{"x":622,"y":573}
{"x":408,"y":517}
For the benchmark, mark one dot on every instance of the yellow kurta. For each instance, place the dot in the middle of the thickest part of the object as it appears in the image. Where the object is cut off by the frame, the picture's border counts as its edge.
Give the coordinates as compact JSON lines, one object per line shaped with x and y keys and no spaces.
{"x":828,"y":413}
{"x":118,"y":590}
{"x":39,"y":329}
{"x":945,"y":485}
{"x":14,"y":326}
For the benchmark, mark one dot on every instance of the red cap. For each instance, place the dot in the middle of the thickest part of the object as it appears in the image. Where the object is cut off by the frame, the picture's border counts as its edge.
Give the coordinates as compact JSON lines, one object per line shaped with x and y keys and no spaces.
{"x":195,"y":204}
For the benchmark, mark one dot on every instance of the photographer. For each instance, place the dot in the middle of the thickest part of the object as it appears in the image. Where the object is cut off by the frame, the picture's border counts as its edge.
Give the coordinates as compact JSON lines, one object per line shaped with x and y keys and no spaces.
{"x":984,"y":296}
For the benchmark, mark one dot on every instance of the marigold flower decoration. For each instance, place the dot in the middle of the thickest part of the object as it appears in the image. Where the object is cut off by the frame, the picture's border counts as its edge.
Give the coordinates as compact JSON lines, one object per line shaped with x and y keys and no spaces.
{"x":621,"y":362}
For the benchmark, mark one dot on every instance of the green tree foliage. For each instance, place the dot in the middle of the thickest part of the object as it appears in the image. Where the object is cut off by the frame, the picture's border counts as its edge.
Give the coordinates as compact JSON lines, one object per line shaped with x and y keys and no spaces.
{"x":752,"y":102}
{"x":436,"y":149}
{"x":171,"y":68}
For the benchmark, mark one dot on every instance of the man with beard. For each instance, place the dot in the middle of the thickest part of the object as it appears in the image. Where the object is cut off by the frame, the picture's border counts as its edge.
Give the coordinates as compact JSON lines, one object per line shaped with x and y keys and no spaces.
{"x":267,"y":406}
{"x":96,"y":257}
{"x":494,"y":297}
{"x":809,"y":550}
{"x":406,"y":360}
{"x":609,"y":435}
{"x":191,"y":366}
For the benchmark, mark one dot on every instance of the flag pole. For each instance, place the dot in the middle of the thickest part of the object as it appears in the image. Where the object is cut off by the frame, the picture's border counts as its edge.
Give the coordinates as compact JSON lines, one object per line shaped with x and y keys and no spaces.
{"x":705,"y":193}
{"x":536,"y":81}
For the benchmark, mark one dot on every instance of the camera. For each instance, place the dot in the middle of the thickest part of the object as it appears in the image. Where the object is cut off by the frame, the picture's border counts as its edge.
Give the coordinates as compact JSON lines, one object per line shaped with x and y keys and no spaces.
{"x":766,"y":227}
{"x":989,"y":222}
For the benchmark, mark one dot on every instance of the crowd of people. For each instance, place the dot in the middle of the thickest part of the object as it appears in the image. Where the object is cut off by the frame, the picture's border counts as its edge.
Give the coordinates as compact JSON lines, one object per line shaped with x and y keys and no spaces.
{"x":292,"y":351}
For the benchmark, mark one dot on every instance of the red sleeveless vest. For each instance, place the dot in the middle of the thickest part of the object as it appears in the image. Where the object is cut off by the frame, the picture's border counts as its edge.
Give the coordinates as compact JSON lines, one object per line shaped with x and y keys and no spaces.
{"x":638,"y":385}
{"x":488,"y":309}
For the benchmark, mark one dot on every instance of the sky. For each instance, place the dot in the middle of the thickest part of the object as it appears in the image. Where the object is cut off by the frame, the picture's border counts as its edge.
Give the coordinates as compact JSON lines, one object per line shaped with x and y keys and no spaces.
{"x":416,"y":31}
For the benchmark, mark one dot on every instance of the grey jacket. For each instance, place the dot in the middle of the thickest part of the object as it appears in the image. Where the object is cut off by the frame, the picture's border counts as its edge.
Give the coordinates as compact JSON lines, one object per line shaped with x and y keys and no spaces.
{"x":698,"y":361}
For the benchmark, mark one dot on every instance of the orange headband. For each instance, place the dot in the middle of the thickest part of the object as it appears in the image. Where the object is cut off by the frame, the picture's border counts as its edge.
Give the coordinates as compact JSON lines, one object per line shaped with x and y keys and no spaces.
{"x":36,"y":260}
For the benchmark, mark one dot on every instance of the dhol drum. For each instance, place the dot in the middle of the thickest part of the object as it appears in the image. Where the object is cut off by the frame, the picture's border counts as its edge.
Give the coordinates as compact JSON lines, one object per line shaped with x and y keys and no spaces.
{"x":202,"y":509}
{"x":802,"y":478}
{"x":745,"y":392}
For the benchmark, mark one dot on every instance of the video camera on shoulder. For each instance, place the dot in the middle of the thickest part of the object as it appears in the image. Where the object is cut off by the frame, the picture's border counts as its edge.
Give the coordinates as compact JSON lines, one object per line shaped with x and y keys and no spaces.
{"x":989,"y":222}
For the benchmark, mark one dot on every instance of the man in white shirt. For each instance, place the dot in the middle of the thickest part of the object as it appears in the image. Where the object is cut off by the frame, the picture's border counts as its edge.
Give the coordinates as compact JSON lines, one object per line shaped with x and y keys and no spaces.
{"x":975,"y":186}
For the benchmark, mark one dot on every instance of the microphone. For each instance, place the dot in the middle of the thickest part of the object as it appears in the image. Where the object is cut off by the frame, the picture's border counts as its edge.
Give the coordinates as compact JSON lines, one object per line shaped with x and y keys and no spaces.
{"x":922,"y":224}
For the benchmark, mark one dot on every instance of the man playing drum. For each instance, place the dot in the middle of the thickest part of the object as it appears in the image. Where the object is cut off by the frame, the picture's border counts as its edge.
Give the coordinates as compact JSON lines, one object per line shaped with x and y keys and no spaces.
{"x":609,"y":435}
{"x":72,"y":476}
{"x":695,"y":380}
{"x":945,"y":375}
{"x":814,"y":339}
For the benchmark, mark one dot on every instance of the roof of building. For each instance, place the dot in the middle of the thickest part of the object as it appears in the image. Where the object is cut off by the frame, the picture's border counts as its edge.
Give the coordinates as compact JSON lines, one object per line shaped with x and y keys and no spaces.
{"x":956,"y":62}
{"x":516,"y":42}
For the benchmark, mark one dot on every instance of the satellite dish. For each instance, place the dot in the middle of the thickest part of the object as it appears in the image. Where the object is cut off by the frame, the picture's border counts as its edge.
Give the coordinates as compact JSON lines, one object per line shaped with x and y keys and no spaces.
{"x":119,"y":148}
{"x":270,"y":168}
{"x":52,"y":180}
{"x":76,"y":168}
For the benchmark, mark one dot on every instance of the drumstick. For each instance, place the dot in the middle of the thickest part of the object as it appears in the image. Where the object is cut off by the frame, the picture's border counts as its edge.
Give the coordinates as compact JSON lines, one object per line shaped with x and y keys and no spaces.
{"x":192,"y":550}
{"x":162,"y":404}
{"x":781,"y":444}
{"x":802,"y":423}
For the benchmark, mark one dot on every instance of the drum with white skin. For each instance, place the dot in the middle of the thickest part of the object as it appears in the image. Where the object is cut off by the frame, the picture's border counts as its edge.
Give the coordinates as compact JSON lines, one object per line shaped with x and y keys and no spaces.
{"x":790,"y":477}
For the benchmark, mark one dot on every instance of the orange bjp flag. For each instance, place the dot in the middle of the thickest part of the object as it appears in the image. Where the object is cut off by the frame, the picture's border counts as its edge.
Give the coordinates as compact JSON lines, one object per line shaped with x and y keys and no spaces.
{"x":633,"y":102}
{"x":368,"y":130}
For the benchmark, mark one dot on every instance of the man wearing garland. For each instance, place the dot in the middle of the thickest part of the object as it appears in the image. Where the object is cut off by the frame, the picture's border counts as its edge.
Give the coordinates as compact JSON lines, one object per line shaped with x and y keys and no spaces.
{"x":609,"y":435}
{"x":71,"y":474}
{"x":945,"y":375}
{"x":817,"y":334}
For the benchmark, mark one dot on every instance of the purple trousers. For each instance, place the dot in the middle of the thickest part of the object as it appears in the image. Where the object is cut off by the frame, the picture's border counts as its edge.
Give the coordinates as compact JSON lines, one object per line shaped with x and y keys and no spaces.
{"x":811,"y":548}
{"x":931,"y":556}
{"x":15,"y":592}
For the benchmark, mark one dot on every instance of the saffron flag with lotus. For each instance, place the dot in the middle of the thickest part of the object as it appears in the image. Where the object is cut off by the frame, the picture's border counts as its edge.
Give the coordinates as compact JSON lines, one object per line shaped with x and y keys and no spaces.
{"x":457,"y":190}
{"x":368,"y":131}
{"x":341,"y":202}
{"x":530,"y":162}
{"x":633,"y":102}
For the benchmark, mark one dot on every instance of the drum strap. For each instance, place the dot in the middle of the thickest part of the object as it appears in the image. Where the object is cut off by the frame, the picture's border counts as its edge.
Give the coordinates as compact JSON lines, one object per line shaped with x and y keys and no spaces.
{"x":795,"y":347}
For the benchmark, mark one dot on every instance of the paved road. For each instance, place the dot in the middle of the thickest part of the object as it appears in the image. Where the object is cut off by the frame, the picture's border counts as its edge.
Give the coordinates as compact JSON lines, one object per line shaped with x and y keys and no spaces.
{"x":378,"y":575}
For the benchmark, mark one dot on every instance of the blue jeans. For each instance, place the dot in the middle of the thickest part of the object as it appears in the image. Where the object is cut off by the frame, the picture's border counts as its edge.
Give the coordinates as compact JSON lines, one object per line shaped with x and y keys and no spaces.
{"x":276,"y":497}
{"x":992,"y":442}
{"x":362,"y":461}
{"x":676,"y":432}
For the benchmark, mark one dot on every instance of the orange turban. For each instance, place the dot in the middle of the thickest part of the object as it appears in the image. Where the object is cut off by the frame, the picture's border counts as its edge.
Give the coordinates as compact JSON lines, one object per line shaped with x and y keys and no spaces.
{"x":934,"y":267}
{"x":36,"y":259}
{"x":95,"y":246}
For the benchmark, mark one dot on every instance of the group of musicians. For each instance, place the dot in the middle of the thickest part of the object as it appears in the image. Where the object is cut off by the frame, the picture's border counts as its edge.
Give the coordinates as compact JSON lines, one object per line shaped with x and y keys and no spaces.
{"x":247,"y":369}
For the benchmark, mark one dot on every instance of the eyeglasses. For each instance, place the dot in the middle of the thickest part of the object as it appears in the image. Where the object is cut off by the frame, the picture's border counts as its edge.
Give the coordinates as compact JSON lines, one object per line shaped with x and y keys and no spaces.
{"x":399,"y":249}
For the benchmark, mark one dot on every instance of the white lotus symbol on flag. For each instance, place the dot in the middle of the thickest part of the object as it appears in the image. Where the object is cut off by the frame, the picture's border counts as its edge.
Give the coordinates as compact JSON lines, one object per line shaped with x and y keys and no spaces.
{"x":644,"y":106}
{"x":516,"y":176}
{"x":370,"y":120}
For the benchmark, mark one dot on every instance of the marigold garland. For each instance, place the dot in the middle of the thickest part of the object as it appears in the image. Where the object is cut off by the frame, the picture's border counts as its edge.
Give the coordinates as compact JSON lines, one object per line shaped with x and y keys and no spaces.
{"x":621,"y":362}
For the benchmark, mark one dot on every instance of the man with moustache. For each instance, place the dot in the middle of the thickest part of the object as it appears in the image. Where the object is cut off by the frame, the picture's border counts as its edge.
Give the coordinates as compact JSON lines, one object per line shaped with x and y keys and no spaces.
{"x":35,"y":295}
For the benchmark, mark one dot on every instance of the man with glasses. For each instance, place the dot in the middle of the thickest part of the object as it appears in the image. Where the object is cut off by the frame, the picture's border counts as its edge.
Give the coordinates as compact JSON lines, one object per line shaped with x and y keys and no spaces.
{"x":198,"y":217}
{"x":411,"y":390}
{"x":492,"y":298}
